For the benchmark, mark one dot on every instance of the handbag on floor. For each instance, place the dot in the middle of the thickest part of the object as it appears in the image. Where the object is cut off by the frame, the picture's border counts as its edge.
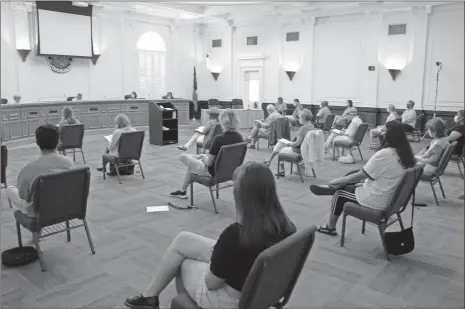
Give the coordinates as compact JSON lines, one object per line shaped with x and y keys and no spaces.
{"x":401,"y":242}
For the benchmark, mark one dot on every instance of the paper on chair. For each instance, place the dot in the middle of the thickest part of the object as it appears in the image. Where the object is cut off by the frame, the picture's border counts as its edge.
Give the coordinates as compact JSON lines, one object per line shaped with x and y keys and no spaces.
{"x":108,"y":138}
{"x":336,"y":131}
{"x":157,"y":208}
{"x":168,"y":109}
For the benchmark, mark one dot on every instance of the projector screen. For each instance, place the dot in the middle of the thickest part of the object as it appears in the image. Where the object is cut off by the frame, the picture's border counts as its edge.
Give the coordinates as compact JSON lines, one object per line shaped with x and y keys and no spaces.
{"x":64,"y":29}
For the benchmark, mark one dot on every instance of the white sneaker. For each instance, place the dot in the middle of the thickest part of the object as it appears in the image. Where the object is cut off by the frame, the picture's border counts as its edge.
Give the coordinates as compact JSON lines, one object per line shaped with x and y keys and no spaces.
{"x":348,"y":159}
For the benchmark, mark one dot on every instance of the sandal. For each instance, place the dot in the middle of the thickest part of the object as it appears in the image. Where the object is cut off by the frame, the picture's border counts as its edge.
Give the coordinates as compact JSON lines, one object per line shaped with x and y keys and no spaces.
{"x":325,"y":230}
{"x":280,"y":174}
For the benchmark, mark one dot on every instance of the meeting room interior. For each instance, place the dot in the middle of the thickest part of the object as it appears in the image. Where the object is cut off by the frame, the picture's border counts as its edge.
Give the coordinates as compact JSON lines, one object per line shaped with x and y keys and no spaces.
{"x":232,"y":155}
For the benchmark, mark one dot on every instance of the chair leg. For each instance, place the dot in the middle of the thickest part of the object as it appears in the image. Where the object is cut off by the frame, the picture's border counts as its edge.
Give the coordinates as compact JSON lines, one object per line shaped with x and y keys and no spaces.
{"x":35,"y":239}
{"x":192,"y":194}
{"x":343,"y":232}
{"x":364,"y":223}
{"x":313,"y":171}
{"x":217,"y":192}
{"x":279,"y":164}
{"x":83,"y":158}
{"x":213,"y":199}
{"x":400,"y":221}
{"x":105,"y":171}
{"x":18,"y":232}
{"x":460,"y":169}
{"x":258,"y":144}
{"x":74,"y":155}
{"x":381,"y":233}
{"x":141,"y":171}
{"x":68,"y":232}
{"x":434,"y":193}
{"x":440,"y":186}
{"x":360,"y":152}
{"x":89,"y":237}
{"x":334,"y":153}
{"x":117,"y":173}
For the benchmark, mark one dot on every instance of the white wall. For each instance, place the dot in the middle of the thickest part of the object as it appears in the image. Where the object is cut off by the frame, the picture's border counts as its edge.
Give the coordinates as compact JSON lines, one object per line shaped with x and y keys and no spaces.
{"x":116,"y":72}
{"x":334,"y":54}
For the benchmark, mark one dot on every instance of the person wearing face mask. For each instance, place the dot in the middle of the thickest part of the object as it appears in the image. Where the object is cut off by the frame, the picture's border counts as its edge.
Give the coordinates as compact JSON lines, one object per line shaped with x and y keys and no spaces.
{"x":431,"y":154}
{"x":294,"y":118}
{"x":322,"y":114}
{"x":457,"y":133}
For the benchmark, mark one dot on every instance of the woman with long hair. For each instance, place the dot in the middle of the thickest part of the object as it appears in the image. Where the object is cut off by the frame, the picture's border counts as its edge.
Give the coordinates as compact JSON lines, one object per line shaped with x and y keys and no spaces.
{"x":347,"y":115}
{"x":379,"y":178}
{"x":213,"y":273}
{"x":68,"y":117}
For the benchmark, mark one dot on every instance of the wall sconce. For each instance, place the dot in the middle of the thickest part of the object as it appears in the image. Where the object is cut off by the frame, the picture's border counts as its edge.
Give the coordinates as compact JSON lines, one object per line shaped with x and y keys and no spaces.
{"x":215,"y":71}
{"x":394,"y":73}
{"x":215,"y":75}
{"x":395,"y":65}
{"x":94,"y":58}
{"x":291,"y":68}
{"x":23,"y":53}
{"x":290,"y":74}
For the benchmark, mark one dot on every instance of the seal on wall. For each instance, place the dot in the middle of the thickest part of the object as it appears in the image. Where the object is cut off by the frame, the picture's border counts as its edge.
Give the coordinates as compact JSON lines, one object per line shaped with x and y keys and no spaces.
{"x":60,"y":64}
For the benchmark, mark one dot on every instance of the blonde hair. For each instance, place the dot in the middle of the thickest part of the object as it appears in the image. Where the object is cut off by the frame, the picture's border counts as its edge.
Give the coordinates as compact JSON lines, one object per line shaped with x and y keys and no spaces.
{"x":392,"y":109}
{"x":68,"y":115}
{"x":122,"y":121}
{"x":306,"y":114}
{"x":228,"y":120}
{"x":271,"y":108}
{"x":438,"y":127}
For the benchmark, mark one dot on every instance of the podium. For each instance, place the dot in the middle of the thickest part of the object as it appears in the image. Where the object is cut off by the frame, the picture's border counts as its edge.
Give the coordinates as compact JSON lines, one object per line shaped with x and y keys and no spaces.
{"x":163,"y":123}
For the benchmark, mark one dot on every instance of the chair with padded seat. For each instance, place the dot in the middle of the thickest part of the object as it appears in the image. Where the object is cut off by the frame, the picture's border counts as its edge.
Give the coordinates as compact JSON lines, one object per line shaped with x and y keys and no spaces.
{"x":60,"y":201}
{"x":228,"y":159}
{"x":434,"y":177}
{"x":208,"y":139}
{"x":273,"y":276}
{"x":278,"y":125}
{"x":292,"y":158}
{"x":326,"y":127}
{"x":417,"y":131}
{"x":459,"y":159}
{"x":213,"y":103}
{"x":237,"y":104}
{"x":129,"y":149}
{"x":71,"y":137}
{"x":405,"y":190}
{"x":4,"y":158}
{"x":358,"y":139}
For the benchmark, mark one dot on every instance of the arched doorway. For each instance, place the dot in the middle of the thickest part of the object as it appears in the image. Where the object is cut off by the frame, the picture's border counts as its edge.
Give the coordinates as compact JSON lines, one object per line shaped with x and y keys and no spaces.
{"x":152,"y":54}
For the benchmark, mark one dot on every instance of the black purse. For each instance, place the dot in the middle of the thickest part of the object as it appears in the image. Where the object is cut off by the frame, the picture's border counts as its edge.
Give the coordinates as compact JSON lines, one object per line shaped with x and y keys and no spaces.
{"x":402,"y":242}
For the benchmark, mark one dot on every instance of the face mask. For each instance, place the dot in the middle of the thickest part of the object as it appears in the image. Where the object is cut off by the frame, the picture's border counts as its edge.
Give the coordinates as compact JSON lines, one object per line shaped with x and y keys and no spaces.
{"x":457,"y":118}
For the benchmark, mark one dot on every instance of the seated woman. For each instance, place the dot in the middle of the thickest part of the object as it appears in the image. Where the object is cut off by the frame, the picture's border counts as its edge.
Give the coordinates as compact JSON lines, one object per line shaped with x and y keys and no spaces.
{"x":213,"y":273}
{"x":202,"y":131}
{"x":457,"y":133}
{"x":285,"y":146}
{"x":380,"y":176}
{"x":203,"y":164}
{"x":344,"y":120}
{"x":122,"y":125}
{"x":294,"y":118}
{"x":376,"y":132}
{"x":431,"y":154}
{"x":68,"y":117}
{"x":263,"y":127}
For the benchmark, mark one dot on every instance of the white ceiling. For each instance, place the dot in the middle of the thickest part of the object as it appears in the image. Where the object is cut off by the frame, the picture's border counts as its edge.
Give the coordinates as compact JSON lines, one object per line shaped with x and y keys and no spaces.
{"x":209,"y":11}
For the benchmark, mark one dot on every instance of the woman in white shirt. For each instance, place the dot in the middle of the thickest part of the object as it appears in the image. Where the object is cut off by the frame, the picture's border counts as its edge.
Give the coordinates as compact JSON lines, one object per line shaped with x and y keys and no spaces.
{"x":122,"y":125}
{"x":380,"y":177}
{"x":376,"y":132}
{"x":431,"y":154}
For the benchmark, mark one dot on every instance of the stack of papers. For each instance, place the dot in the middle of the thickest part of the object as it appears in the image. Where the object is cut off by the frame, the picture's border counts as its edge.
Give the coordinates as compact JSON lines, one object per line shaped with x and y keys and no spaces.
{"x":165,"y":129}
{"x":108,"y":138}
{"x":337,"y":131}
{"x":168,"y":109}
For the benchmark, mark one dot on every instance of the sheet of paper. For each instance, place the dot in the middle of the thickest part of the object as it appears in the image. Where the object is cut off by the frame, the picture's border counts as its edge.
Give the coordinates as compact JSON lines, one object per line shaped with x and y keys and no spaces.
{"x":168,"y":109}
{"x":158,"y":208}
{"x":108,"y":138}
{"x":165,"y":129}
{"x":336,"y":131}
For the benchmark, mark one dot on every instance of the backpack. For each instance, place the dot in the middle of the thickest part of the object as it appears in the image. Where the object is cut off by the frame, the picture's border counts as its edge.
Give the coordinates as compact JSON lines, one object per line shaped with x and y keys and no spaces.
{"x":123,"y":170}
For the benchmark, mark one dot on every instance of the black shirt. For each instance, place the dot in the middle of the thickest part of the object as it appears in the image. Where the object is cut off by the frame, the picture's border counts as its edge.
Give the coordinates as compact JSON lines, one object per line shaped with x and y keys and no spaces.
{"x":227,"y":138}
{"x":461,"y":141}
{"x":233,"y":262}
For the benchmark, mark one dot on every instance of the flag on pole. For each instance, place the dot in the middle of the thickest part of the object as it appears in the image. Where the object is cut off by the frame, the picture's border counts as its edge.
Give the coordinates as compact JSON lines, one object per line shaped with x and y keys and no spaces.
{"x":194,"y":92}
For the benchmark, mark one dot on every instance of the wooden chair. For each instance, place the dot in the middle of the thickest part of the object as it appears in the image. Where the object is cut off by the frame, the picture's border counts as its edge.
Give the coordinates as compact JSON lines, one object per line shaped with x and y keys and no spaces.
{"x":71,"y":137}
{"x":384,"y":218}
{"x":361,"y":131}
{"x":228,"y":159}
{"x":60,"y":201}
{"x":417,"y":132}
{"x":216,"y":130}
{"x":434,"y":177}
{"x":129,"y":148}
{"x":4,"y":156}
{"x":273,"y":276}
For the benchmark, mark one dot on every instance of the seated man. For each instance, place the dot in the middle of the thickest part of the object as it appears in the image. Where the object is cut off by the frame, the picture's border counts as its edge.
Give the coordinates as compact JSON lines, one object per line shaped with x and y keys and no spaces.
{"x":168,"y":96}
{"x":344,"y":135}
{"x":322,"y":114}
{"x":202,"y":131}
{"x":409,"y":117}
{"x":203,"y":164}
{"x":50,"y":161}
{"x":285,"y":146}
{"x":281,"y":107}
{"x":263,"y":127}
{"x":344,"y":119}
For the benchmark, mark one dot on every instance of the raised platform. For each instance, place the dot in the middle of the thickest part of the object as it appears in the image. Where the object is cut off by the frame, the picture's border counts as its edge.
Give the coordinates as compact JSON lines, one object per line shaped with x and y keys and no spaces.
{"x":129,"y":242}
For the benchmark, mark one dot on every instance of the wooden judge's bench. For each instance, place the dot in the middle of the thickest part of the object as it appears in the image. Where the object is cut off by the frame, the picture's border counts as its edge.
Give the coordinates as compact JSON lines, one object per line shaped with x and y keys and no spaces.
{"x":21,"y":120}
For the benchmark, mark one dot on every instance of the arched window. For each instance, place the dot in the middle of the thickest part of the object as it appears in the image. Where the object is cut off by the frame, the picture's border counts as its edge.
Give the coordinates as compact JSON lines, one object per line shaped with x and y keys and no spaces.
{"x":152,"y":53}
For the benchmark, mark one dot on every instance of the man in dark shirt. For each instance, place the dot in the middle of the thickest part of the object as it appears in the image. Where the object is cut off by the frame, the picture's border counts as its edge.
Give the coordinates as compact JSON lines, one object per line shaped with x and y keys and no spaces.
{"x":457,"y":133}
{"x":203,"y":164}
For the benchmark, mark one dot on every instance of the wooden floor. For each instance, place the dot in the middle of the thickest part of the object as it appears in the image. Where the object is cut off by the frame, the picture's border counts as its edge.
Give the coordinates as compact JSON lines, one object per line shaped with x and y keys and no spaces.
{"x":130,"y":242}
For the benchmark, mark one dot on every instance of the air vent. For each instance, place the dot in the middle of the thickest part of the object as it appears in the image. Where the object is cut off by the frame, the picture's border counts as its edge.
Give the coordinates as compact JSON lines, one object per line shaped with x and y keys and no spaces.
{"x":398,"y":29}
{"x":252,"y":40}
{"x":216,"y":43}
{"x":292,"y":36}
